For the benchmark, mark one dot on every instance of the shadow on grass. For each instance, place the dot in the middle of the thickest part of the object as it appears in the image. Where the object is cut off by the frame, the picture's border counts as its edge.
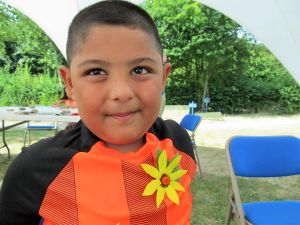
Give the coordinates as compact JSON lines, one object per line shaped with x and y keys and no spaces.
{"x":210,"y":196}
{"x":213,"y":160}
{"x":17,"y":135}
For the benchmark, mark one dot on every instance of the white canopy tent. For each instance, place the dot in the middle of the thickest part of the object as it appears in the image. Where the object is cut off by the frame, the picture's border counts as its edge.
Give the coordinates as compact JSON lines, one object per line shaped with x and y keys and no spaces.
{"x":274,"y":22}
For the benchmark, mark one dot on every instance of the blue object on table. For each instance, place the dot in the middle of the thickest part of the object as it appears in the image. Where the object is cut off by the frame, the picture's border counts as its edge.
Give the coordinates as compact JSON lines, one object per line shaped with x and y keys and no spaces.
{"x":192,"y":105}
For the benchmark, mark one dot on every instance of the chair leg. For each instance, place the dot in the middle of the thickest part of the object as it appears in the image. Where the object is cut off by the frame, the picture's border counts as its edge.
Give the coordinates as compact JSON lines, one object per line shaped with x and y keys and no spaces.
{"x":25,"y":137}
{"x":229,"y":215}
{"x":197,"y":159}
{"x":28,"y":133}
{"x":56,"y":128}
{"x":29,"y":137}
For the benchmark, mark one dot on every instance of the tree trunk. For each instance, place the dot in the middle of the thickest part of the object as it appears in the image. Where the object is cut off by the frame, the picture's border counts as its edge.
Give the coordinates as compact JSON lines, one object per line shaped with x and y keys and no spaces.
{"x":201,"y":69}
{"x":205,"y":92}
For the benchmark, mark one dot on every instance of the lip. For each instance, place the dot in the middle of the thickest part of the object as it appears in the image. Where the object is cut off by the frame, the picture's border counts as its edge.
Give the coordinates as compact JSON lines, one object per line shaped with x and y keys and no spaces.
{"x":123,"y":116}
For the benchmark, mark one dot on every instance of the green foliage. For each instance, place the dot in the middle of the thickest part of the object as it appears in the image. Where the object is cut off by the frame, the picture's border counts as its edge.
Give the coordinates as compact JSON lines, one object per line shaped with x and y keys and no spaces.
{"x":253,"y":96}
{"x":200,"y":43}
{"x":289,"y":99}
{"x":23,"y":42}
{"x":28,"y":62}
{"x":20,"y":88}
{"x":212,"y":55}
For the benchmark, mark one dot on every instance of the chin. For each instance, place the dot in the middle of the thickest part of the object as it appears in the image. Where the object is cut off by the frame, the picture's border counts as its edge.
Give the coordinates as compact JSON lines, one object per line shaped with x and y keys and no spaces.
{"x":124,"y":139}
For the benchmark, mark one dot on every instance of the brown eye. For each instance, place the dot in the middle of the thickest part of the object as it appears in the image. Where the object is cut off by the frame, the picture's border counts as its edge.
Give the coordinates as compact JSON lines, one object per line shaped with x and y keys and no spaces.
{"x":140,"y":70}
{"x":94,"y":72}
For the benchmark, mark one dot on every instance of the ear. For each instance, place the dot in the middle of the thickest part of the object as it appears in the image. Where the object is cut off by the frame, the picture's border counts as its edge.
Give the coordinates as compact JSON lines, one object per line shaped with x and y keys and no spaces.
{"x":66,"y":77}
{"x":167,"y":70}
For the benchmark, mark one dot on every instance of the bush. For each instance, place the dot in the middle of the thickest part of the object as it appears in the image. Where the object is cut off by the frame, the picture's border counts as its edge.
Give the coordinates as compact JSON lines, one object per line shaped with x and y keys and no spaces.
{"x":290,"y":99}
{"x":21,"y":88}
{"x":253,"y":96}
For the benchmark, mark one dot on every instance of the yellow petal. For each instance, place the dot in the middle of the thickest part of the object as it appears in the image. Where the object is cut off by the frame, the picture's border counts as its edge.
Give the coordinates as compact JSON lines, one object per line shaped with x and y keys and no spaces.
{"x":177,"y":174}
{"x":160,"y":195}
{"x":172,"y":195}
{"x":151,"y":170}
{"x":151,"y":187}
{"x":174,"y":162}
{"x":176,"y":186}
{"x":162,"y":162}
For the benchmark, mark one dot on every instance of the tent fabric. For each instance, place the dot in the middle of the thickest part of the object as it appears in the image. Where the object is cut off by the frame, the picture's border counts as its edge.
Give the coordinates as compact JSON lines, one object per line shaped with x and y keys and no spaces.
{"x":273,"y":22}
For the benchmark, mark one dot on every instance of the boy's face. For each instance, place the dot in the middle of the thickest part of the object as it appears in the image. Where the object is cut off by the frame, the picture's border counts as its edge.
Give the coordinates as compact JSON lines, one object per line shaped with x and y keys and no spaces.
{"x":117,"y":78}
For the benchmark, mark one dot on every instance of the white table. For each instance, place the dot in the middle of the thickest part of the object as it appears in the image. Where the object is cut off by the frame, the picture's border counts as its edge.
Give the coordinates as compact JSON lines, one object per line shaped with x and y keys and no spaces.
{"x":24,"y":114}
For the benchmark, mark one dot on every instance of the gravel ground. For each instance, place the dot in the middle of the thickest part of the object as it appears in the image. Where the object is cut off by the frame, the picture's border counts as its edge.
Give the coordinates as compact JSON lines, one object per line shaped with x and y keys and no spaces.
{"x":215,"y":133}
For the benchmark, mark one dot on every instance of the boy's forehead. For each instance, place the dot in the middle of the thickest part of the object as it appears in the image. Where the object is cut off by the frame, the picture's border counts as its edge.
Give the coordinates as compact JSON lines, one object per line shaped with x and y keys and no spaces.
{"x":98,"y":31}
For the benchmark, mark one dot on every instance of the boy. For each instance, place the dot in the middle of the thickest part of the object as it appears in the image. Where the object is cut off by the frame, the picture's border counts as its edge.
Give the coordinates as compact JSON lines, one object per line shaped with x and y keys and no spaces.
{"x":120,"y":164}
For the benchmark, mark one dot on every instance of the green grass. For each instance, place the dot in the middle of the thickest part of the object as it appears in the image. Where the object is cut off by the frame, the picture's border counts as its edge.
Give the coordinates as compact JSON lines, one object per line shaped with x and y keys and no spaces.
{"x":211,"y":192}
{"x":211,"y":115}
{"x":15,"y":140}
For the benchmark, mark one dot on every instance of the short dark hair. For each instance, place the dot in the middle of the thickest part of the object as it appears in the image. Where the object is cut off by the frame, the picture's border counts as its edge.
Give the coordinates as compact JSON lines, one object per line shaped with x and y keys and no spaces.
{"x":110,"y":12}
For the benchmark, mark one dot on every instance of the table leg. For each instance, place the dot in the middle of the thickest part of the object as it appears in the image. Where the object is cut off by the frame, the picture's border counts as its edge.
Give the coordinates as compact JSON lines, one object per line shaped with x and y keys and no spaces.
{"x":3,"y":134}
{"x":4,"y":141}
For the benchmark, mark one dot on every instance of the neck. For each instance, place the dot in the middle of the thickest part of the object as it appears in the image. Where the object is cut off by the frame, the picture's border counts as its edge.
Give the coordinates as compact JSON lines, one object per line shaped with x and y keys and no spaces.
{"x":130,"y":147}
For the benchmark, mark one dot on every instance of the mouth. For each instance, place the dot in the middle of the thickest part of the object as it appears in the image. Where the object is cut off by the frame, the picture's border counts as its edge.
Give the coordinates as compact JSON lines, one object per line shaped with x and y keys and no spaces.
{"x":123,"y":116}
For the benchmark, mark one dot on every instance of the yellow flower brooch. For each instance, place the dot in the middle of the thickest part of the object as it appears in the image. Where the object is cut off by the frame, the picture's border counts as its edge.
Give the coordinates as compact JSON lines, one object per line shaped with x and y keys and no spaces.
{"x":166,"y":177}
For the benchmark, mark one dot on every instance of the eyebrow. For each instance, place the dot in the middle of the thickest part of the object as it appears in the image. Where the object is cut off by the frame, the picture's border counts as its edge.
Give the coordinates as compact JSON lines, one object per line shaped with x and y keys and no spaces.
{"x":93,"y":61}
{"x":141,"y":60}
{"x":106,"y":63}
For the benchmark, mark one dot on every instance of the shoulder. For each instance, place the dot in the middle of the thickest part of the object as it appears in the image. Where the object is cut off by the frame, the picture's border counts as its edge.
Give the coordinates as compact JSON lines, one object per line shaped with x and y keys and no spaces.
{"x":47,"y":157}
{"x":28,"y":178}
{"x":30,"y":174}
{"x":163,"y":129}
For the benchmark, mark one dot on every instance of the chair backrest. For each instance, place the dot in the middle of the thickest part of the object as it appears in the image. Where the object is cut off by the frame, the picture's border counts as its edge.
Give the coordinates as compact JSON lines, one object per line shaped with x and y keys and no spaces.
{"x":190,"y":122}
{"x":264,"y":156}
{"x":39,"y":126}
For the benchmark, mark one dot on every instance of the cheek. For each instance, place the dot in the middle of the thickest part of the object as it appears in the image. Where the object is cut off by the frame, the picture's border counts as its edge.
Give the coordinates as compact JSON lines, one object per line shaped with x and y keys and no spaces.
{"x":87,"y":95}
{"x":151,"y":95}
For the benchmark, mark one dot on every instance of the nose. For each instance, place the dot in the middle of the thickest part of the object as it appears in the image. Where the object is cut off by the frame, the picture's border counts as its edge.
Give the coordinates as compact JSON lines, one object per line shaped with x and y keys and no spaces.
{"x":121,"y":89}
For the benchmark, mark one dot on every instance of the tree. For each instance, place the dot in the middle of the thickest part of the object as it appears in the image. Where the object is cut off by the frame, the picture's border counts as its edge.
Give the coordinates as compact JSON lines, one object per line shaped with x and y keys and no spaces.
{"x":23,"y":42}
{"x":200,"y":42}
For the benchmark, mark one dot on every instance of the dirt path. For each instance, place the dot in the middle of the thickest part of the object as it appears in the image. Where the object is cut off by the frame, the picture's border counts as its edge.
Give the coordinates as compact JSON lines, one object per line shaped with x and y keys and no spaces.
{"x":214,"y":133}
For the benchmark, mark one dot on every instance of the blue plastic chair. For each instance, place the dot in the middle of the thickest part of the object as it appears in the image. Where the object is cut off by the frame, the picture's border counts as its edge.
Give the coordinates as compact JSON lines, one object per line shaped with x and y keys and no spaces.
{"x":263,"y":156}
{"x":191,"y":122}
{"x":38,"y":127}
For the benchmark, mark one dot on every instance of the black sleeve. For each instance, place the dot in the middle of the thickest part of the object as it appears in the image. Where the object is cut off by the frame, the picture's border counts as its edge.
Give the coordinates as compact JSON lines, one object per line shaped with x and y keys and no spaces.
{"x":170,"y":129}
{"x":19,"y":199}
{"x":26,"y":181}
{"x":29,"y":175}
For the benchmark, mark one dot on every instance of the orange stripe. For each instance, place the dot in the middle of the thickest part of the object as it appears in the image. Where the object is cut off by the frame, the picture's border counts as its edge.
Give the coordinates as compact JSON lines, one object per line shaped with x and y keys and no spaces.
{"x":107,"y":204}
{"x":107,"y":187}
{"x":180,"y":214}
{"x":143,"y":209}
{"x":59,"y":203}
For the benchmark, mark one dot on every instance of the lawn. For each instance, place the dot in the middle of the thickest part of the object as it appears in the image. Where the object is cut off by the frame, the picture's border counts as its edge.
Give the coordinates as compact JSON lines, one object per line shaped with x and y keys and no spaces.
{"x":210,"y":193}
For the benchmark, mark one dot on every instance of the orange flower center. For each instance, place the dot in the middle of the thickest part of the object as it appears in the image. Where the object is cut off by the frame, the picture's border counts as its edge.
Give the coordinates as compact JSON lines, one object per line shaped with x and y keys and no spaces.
{"x":165,"y":180}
